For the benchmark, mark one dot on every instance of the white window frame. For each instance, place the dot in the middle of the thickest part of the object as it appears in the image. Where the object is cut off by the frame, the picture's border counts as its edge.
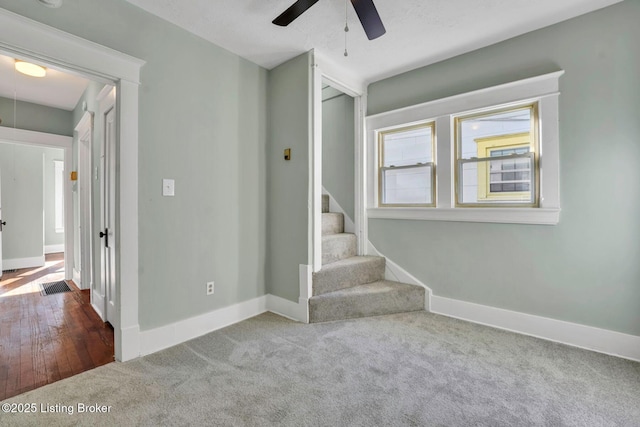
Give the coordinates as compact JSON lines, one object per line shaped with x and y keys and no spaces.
{"x":543,"y":90}
{"x":432,"y":164}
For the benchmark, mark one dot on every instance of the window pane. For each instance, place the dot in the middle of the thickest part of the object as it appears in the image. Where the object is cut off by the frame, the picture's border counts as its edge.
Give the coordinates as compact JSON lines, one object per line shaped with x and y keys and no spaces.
{"x":476,"y":186}
{"x":406,"y":165}
{"x":407,"y":147}
{"x":407,"y":185}
{"x":501,"y":147}
{"x":475,"y":131}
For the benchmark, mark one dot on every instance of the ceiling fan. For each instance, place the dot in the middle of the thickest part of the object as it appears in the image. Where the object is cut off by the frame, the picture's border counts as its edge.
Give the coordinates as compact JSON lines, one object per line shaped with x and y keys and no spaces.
{"x":365,"y":9}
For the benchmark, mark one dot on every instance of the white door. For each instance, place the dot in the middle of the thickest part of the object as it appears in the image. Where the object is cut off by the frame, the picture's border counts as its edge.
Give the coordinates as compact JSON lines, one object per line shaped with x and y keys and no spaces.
{"x":108,"y":207}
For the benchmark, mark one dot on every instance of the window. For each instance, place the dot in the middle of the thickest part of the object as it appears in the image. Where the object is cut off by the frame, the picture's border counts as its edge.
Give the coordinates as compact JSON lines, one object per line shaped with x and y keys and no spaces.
{"x":496,"y":151}
{"x":496,"y":158}
{"x":58,"y":187}
{"x":406,"y":169}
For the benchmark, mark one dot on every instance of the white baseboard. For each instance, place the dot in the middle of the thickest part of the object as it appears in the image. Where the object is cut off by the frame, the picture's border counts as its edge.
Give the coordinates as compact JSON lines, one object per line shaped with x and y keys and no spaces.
{"x":176,"y":333}
{"x":169,"y":335}
{"x":396,"y":273}
{"x":130,"y":341}
{"x":53,"y":249}
{"x":286,"y":308}
{"x":573,"y":334}
{"x":16,"y":263}
{"x":76,"y":277}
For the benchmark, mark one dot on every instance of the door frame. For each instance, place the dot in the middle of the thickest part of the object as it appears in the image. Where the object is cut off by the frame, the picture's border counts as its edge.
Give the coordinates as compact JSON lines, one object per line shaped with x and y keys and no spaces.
{"x":84,"y":136}
{"x":323,"y":68}
{"x":21,"y":38}
{"x":49,"y":140}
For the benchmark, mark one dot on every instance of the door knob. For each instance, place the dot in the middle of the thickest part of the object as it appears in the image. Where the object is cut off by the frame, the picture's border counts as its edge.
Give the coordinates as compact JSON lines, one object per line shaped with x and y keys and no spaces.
{"x":106,"y":237}
{"x":2,"y":223}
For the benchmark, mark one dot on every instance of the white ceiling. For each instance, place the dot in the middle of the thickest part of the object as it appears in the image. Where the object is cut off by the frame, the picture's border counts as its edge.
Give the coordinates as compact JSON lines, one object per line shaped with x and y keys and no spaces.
{"x":419,"y":32}
{"x":56,"y":89}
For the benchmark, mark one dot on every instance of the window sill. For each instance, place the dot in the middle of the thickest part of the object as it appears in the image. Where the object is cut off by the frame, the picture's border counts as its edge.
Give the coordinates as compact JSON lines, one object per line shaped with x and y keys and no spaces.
{"x":538,"y":216}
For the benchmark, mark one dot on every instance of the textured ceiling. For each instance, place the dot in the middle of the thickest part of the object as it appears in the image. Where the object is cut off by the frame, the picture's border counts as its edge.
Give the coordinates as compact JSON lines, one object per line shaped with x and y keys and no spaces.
{"x":419,"y":32}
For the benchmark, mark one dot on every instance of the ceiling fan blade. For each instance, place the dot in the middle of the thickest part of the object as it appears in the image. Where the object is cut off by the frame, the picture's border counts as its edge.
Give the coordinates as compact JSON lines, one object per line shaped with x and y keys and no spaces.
{"x":295,"y":10}
{"x":369,"y":18}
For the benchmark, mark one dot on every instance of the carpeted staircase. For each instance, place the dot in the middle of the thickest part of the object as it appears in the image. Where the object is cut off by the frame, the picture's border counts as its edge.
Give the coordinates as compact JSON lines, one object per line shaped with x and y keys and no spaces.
{"x":351,"y":286}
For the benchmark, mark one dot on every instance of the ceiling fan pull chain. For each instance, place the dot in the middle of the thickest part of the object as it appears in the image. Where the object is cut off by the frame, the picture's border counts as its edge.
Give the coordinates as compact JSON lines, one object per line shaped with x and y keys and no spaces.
{"x":346,"y":26}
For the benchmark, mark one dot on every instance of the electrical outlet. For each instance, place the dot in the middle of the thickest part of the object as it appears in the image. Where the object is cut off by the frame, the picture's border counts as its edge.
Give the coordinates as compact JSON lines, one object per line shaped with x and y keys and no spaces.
{"x":210,"y":288}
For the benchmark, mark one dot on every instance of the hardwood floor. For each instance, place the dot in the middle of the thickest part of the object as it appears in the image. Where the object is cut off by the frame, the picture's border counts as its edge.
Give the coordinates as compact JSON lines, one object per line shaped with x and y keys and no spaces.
{"x":47,"y":338}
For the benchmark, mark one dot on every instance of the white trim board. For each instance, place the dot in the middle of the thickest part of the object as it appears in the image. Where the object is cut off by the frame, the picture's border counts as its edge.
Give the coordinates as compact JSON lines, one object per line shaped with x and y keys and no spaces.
{"x":184,"y":330}
{"x":53,"y":249}
{"x":396,"y":273}
{"x":573,"y":334}
{"x":288,"y":309}
{"x":17,"y":263}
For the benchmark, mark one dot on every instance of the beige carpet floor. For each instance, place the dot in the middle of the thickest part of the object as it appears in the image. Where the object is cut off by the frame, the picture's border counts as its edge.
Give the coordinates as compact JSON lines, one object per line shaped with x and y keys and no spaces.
{"x":413,"y":369}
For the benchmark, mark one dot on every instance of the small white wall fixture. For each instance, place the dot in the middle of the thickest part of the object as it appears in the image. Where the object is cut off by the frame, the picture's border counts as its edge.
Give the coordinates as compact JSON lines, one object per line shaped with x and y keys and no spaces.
{"x":22,"y":38}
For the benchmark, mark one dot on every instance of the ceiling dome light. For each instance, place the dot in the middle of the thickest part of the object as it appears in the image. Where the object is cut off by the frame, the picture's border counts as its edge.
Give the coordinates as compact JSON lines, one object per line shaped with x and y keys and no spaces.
{"x":51,"y":3}
{"x":30,"y":69}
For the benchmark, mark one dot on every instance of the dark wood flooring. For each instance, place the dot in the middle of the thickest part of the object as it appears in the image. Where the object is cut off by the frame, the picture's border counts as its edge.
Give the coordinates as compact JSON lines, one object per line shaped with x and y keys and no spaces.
{"x":44,"y":339}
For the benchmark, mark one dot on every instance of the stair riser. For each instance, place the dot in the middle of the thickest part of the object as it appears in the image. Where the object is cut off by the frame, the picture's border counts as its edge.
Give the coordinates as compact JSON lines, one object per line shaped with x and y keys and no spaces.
{"x":338,"y":248}
{"x":332,"y":223}
{"x":375,"y":304}
{"x":329,"y":280}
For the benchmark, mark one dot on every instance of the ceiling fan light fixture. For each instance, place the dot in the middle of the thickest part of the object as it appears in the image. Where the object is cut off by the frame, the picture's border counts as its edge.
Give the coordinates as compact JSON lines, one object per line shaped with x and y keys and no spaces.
{"x":30,"y":69}
{"x":51,"y":3}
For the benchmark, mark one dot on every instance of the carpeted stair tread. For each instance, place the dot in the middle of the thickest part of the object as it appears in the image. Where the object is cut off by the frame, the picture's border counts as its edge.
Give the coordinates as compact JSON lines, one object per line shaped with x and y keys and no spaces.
{"x":348,"y":272}
{"x":332,"y":223}
{"x":371,"y":299}
{"x":338,"y":246}
{"x":325,"y":203}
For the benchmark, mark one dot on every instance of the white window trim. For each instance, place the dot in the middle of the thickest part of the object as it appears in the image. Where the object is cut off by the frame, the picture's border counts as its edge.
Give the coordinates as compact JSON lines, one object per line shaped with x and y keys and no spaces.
{"x":543,"y":89}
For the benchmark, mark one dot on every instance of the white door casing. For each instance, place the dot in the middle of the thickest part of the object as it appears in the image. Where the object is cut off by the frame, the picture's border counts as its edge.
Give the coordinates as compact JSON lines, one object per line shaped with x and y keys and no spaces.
{"x":84,"y":133}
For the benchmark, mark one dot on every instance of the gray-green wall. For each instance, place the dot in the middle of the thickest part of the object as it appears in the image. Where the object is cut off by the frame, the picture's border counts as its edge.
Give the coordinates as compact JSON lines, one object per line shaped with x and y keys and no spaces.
{"x":28,"y":202}
{"x":338,"y":148}
{"x":288,"y":181}
{"x":36,"y":117}
{"x":21,"y":169}
{"x":203,"y":125}
{"x":585,"y":269}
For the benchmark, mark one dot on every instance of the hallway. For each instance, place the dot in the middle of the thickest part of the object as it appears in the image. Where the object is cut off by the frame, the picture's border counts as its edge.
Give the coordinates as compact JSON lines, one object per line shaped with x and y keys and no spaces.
{"x":44,"y":339}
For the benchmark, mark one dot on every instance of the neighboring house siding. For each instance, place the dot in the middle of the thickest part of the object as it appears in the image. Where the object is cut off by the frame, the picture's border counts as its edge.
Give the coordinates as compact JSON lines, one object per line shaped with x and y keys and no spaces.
{"x":585,"y":269}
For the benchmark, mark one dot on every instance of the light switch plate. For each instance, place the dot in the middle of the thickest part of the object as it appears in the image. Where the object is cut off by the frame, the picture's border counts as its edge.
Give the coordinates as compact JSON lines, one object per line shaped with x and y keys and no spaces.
{"x":168,"y":187}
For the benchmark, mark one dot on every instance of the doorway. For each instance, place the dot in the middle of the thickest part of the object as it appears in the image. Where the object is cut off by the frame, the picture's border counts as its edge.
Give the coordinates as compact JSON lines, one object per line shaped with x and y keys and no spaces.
{"x":22,"y":38}
{"x":338,"y":152}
